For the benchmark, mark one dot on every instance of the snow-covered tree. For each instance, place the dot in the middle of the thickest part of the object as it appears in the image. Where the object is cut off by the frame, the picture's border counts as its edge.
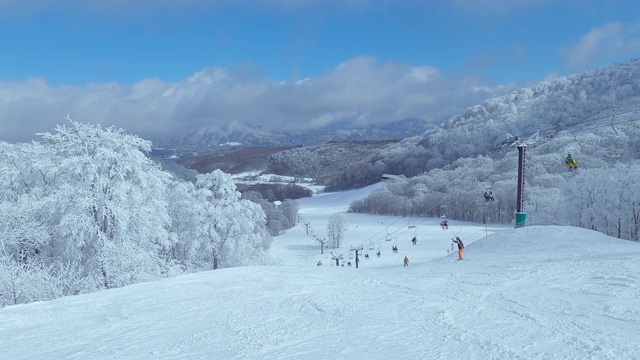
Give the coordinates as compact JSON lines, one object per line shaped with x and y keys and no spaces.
{"x":86,"y":209}
{"x":235,"y":228}
{"x":111,"y":204}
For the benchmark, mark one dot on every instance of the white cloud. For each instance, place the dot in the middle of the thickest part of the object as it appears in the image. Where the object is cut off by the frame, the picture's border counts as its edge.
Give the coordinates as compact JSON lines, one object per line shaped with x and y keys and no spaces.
{"x":609,"y":42}
{"x":358,"y":91}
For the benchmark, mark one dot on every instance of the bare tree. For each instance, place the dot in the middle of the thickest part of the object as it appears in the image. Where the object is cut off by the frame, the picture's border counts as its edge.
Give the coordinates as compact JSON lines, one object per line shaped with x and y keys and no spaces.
{"x":336,"y":228}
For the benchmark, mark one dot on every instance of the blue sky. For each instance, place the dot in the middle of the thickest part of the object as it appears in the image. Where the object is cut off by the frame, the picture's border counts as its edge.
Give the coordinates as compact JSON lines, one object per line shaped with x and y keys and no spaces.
{"x":90,"y":58}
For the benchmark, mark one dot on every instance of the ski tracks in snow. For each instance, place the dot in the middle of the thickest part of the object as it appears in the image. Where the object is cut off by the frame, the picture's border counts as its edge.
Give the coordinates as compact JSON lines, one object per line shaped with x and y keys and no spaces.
{"x":581,"y":318}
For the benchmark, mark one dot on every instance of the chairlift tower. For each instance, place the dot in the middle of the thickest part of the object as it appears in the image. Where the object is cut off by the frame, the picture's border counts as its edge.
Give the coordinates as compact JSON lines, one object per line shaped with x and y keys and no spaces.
{"x":357,"y":249}
{"x":520,"y":214}
{"x":522,"y":151}
{"x":336,"y":258}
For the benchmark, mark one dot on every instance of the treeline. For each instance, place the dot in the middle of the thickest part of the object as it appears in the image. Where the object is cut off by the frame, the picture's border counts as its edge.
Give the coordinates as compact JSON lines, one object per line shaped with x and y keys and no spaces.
{"x":275,"y":191}
{"x":605,"y":199}
{"x":347,"y":165}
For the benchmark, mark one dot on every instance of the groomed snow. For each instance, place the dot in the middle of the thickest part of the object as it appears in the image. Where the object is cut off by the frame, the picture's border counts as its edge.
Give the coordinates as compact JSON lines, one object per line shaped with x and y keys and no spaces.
{"x":530,"y":293}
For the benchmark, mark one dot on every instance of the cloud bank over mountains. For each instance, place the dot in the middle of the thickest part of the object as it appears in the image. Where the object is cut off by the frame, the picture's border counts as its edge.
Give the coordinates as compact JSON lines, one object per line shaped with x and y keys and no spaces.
{"x":166,"y":67}
{"x":360,"y":91}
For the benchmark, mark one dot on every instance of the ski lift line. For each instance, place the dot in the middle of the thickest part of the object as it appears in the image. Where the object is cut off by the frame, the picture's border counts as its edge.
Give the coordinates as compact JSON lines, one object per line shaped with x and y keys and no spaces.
{"x":560,"y":127}
{"x":496,"y":170}
{"x":600,"y":117}
{"x":440,"y":203}
{"x":601,"y":126}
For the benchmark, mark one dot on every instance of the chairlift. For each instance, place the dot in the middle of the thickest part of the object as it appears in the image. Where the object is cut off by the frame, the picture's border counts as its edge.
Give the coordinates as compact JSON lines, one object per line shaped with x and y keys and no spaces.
{"x":488,"y":196}
{"x":412,"y":225}
{"x":388,"y":238}
{"x":371,"y":246}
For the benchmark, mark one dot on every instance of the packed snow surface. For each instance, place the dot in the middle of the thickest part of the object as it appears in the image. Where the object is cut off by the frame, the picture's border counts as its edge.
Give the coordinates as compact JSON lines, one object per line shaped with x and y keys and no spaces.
{"x":540,"y":292}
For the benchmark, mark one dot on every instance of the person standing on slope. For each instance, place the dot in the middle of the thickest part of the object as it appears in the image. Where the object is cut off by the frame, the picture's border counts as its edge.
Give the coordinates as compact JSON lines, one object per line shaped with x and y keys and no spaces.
{"x":460,"y":247}
{"x":406,"y":261}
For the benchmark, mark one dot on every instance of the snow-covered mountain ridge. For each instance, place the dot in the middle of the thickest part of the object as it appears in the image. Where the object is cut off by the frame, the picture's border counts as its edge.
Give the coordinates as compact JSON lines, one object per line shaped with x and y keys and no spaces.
{"x":601,"y":102}
{"x":234,"y":135}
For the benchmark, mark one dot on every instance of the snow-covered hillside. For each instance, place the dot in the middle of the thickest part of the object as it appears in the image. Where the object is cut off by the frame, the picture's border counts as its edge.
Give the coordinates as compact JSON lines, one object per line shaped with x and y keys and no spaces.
{"x":528,"y":293}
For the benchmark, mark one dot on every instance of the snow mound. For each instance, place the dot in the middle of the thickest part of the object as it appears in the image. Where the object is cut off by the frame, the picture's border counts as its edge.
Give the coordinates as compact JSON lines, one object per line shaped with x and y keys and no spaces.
{"x":550,"y":242}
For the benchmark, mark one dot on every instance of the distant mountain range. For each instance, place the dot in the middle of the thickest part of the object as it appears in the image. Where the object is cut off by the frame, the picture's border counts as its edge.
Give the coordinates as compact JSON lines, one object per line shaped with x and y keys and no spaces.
{"x":233,"y":136}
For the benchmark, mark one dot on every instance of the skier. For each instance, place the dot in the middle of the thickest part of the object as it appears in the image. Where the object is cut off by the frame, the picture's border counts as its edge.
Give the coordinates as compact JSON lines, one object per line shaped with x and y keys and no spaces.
{"x":572,"y":164}
{"x":444,"y":225}
{"x":487,"y":198}
{"x":460,"y":247}
{"x":319,"y":263}
{"x":414,"y":240}
{"x":406,"y":261}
